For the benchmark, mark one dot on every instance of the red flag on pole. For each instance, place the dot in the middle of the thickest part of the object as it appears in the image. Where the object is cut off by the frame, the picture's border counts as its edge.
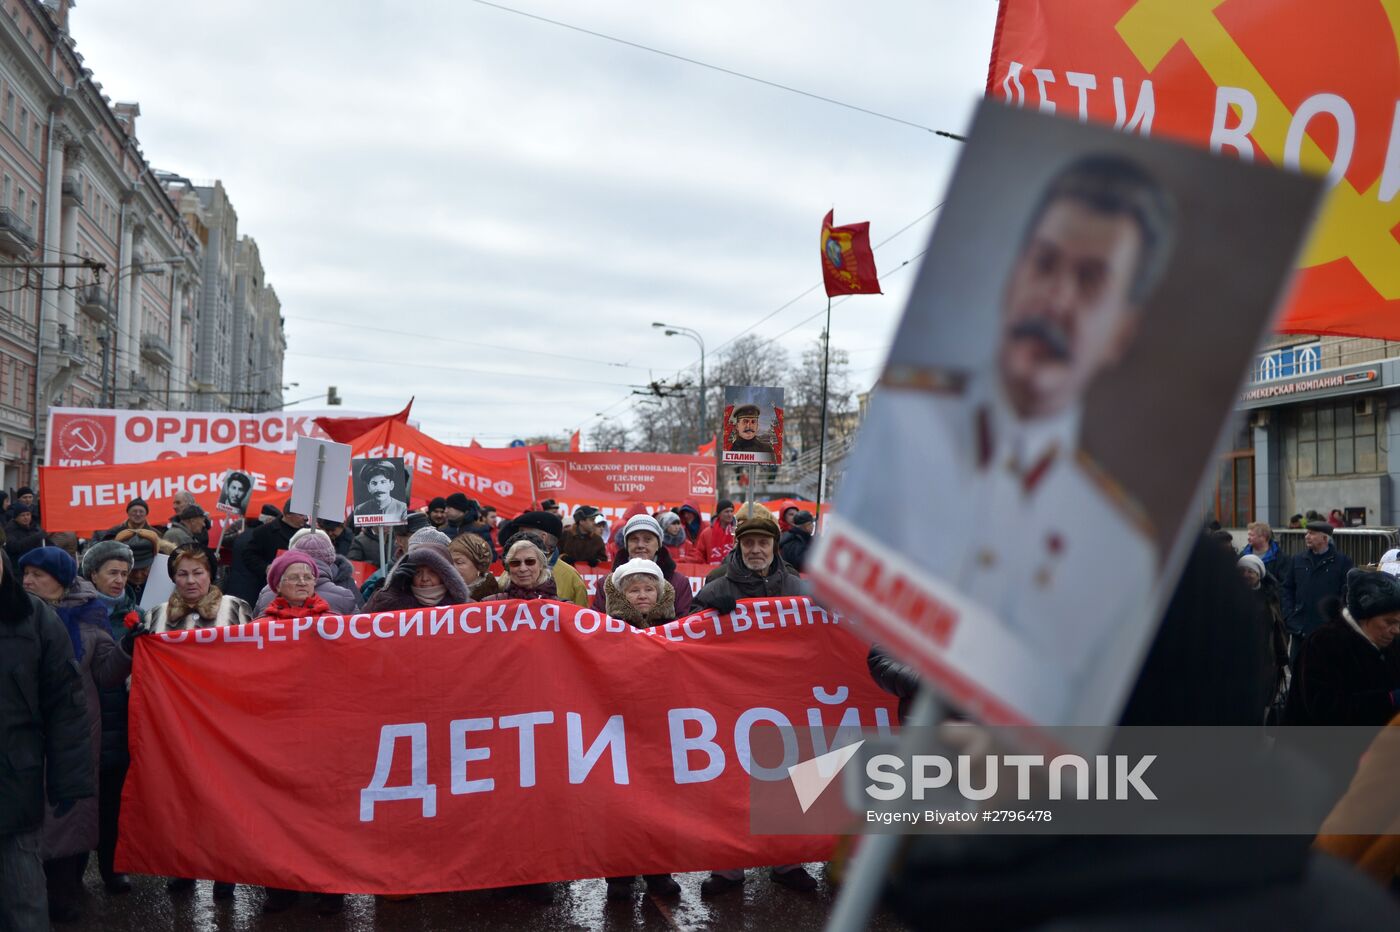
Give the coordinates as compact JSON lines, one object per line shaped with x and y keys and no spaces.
{"x":848,"y":264}
{"x":575,"y":442}
{"x":346,"y":429}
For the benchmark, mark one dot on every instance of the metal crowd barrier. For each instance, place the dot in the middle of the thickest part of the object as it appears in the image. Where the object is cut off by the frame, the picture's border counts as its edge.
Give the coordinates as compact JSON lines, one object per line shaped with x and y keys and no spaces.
{"x":1364,"y":545}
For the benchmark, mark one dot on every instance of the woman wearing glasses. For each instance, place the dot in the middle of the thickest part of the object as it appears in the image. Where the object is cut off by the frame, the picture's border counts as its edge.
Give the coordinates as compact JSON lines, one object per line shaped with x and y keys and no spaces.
{"x":528,"y":575}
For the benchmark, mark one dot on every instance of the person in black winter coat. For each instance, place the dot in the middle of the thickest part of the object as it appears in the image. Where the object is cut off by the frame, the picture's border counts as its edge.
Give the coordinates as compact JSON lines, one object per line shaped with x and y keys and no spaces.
{"x":22,"y":533}
{"x":1349,"y":670}
{"x":893,"y":676}
{"x":796,"y":541}
{"x":260,"y":551}
{"x":44,"y":727}
{"x":1198,"y":672}
{"x":1319,"y":572}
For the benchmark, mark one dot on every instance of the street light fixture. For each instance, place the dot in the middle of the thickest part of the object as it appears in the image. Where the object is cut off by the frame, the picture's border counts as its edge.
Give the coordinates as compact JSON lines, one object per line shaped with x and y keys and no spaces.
{"x":672,"y":330}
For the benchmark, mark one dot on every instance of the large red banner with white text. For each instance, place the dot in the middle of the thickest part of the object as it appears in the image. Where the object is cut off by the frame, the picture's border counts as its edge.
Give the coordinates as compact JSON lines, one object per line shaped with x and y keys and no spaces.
{"x":616,"y":480}
{"x":1293,"y":82}
{"x":483,"y":745}
{"x":89,"y":498}
{"x":439,"y":469}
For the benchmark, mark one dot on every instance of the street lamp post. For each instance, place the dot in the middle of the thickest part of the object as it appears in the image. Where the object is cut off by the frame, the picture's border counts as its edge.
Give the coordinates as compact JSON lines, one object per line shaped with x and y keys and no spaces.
{"x":673,"y":330}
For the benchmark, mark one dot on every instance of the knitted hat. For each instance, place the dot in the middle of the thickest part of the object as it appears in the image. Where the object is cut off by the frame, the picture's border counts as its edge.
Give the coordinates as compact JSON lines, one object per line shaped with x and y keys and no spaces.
{"x":137,"y":501}
{"x":23,"y":491}
{"x":417,"y":521}
{"x":22,"y":510}
{"x":476,"y":549}
{"x":634,"y":568}
{"x":1390,"y":562}
{"x":316,"y":544}
{"x":427,"y":535}
{"x":271,"y":511}
{"x":458,"y":501}
{"x":722,"y":504}
{"x":802,"y":518}
{"x":103,"y":551}
{"x":641,"y":522}
{"x":437,"y":503}
{"x":54,"y":561}
{"x":279,"y":566}
{"x":1250,"y":561}
{"x":668,"y":518}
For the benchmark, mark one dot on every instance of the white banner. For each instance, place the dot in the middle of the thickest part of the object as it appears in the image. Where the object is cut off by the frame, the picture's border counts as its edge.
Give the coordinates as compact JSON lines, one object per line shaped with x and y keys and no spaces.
{"x":108,"y":437}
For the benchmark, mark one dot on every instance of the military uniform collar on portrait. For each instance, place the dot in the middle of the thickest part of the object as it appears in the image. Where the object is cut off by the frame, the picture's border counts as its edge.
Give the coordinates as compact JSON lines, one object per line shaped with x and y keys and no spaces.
{"x":1028,"y":448}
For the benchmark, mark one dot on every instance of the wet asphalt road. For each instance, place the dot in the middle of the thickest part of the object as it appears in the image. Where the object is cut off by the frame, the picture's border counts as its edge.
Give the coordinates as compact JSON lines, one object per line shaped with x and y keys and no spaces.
{"x":581,"y":905}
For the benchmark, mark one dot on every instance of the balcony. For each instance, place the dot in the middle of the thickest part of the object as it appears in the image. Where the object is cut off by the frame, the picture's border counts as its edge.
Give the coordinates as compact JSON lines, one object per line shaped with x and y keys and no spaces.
{"x":97,"y":303}
{"x":156,"y":349}
{"x":16,"y":236}
{"x":72,"y":189}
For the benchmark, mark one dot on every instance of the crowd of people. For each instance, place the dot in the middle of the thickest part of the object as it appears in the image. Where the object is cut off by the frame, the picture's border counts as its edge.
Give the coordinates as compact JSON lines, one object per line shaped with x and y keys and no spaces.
{"x":70,"y":618}
{"x":1319,"y":636}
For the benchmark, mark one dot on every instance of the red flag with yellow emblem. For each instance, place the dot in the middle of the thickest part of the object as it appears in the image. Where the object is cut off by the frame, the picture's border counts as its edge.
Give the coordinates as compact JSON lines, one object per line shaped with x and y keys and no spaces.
{"x":848,"y":265}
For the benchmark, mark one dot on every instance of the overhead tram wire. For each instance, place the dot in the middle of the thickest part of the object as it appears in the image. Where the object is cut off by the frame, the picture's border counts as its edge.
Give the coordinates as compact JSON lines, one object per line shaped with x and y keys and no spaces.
{"x":414,"y":364}
{"x":442,"y":339}
{"x":721,"y":69}
{"x":904,"y":229}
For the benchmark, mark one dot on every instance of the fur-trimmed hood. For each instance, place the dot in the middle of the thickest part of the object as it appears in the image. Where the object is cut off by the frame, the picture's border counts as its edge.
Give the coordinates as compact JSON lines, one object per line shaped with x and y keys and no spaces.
{"x":618,"y":607}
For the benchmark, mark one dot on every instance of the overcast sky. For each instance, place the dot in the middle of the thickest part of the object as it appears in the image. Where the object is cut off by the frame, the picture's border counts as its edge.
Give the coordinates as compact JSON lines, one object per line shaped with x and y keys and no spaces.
{"x":488,"y":211}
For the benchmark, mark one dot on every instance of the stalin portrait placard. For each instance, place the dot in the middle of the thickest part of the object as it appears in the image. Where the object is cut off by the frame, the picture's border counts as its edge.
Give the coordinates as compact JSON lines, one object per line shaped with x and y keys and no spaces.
{"x":1024,"y":486}
{"x":753,"y":425}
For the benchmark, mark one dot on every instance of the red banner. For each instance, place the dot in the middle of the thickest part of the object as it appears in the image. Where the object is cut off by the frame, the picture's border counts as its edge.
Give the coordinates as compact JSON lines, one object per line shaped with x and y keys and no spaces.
{"x":613,"y":481}
{"x":90,"y":498}
{"x":848,"y":264}
{"x":484,"y":745}
{"x":1293,"y":82}
{"x":440,"y":469}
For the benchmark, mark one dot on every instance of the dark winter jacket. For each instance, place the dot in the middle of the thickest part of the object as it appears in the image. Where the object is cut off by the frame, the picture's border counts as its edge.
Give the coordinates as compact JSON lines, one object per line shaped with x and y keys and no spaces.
{"x":793,"y":546}
{"x":240,"y":581}
{"x":1312,"y":577}
{"x":258,"y":554}
{"x":364,"y":548}
{"x":740,"y":582}
{"x":576,"y":548}
{"x":44,"y":740}
{"x":1276,"y":670}
{"x":116,"y":699}
{"x":1344,"y":679}
{"x":893,"y":676}
{"x":397,"y":593}
{"x":678,"y":580}
{"x":103,"y":666}
{"x":21,"y":540}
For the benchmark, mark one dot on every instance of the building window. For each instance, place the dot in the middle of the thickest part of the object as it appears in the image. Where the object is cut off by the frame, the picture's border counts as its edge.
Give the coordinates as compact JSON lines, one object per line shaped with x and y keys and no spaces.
{"x":1341,"y":438}
{"x":9,"y":114}
{"x":5,"y":200}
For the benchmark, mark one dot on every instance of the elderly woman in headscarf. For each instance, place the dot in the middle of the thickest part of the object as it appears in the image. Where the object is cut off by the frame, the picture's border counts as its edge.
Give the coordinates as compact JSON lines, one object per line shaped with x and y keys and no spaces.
{"x":50,"y":574}
{"x":1266,"y":591}
{"x":423,"y":578}
{"x":317,"y":546}
{"x":471,"y":556}
{"x":107,"y":565}
{"x":528,"y":575}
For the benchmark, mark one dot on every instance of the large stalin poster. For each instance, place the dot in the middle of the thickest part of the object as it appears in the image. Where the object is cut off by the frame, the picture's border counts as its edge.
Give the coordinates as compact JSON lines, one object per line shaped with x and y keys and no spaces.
{"x":1025,"y":405}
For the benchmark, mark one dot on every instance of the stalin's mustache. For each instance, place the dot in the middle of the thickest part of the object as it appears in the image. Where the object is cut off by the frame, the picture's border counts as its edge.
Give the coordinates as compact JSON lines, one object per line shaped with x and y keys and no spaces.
{"x":1046,"y":332}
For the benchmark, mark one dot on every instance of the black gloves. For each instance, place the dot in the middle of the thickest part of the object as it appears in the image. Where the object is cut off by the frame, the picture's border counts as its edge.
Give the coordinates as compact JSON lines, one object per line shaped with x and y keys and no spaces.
{"x":724,"y":604}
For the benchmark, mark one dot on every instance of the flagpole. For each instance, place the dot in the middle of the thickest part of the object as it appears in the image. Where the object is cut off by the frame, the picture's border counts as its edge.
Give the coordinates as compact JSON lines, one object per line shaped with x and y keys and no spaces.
{"x":821,"y":444}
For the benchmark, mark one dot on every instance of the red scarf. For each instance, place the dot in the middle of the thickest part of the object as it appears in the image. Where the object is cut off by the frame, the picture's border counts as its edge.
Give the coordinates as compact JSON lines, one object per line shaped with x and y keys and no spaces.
{"x":281,"y":608}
